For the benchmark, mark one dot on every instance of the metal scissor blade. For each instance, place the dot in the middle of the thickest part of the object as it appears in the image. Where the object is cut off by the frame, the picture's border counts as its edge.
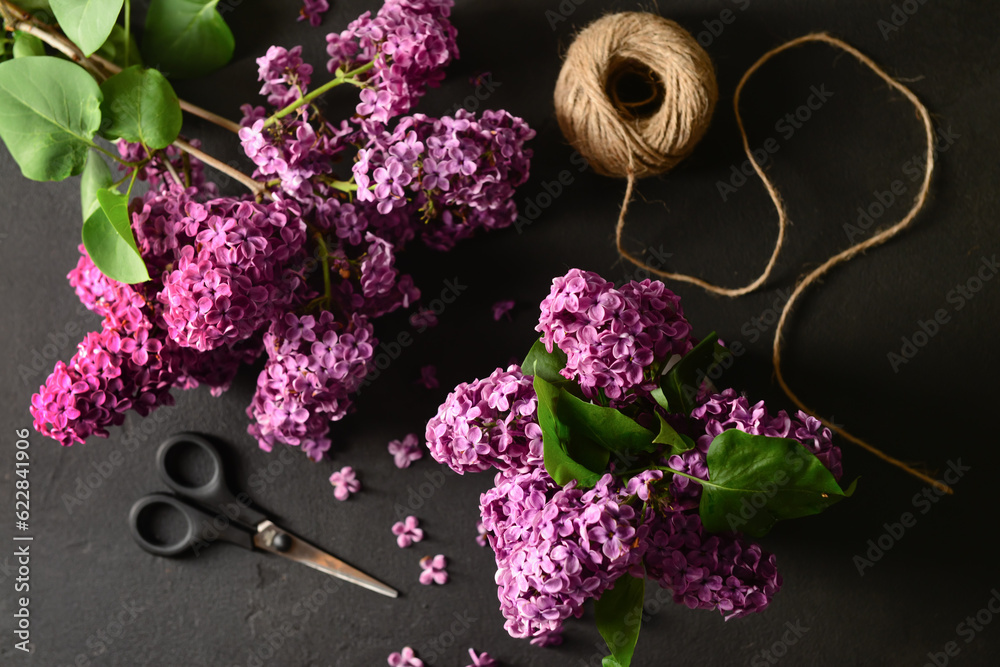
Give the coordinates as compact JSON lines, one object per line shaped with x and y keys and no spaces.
{"x":302,"y":552}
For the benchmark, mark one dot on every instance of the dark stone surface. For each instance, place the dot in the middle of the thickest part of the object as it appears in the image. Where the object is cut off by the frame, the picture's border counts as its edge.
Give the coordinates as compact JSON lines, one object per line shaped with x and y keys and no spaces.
{"x":221,"y":608}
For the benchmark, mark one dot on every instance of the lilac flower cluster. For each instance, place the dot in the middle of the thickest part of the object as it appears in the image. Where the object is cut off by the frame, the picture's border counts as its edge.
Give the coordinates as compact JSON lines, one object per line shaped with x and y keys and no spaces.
{"x":138,"y":356}
{"x":610,"y":336}
{"x":114,"y":370}
{"x":723,"y":572}
{"x":726,"y":410}
{"x":236,"y":275}
{"x":411,"y":43}
{"x":313,"y":365}
{"x":461,"y":171}
{"x":313,"y":10}
{"x":299,"y":271}
{"x":555,"y":546}
{"x":129,"y":364}
{"x":286,"y":78}
{"x":488,"y":423}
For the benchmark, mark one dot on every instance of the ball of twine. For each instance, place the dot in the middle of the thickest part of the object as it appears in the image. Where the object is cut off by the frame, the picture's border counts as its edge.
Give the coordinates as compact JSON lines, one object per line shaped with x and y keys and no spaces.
{"x":635,"y":94}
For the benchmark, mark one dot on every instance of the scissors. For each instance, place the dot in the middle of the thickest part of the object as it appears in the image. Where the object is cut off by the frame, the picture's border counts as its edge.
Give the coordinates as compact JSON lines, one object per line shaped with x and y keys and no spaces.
{"x":212,"y":512}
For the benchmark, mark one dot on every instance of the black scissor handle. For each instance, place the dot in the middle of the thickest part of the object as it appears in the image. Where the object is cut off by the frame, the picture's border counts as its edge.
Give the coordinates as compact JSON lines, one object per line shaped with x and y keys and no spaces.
{"x":201,"y":528}
{"x":214,"y":493}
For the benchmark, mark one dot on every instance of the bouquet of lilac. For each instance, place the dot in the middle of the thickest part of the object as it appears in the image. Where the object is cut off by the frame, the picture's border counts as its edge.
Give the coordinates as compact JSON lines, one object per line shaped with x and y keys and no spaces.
{"x":619,"y":462}
{"x":299,"y":268}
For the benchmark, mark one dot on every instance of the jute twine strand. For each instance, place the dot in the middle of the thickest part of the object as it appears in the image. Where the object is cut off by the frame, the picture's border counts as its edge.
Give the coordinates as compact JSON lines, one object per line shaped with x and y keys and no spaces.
{"x":634,"y":150}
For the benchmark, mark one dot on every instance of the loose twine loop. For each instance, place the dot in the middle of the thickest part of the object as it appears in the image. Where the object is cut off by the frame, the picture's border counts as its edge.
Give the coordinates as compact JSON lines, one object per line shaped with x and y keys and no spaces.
{"x":634,"y":97}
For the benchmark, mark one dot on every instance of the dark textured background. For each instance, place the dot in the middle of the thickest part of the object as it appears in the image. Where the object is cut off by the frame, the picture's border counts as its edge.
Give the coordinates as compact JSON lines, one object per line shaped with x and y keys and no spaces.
{"x":221,"y":608}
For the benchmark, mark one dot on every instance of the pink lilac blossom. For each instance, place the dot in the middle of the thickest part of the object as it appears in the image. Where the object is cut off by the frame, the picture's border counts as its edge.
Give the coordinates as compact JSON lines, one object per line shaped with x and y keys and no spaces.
{"x":556,"y":547}
{"x":726,"y":410}
{"x":428,"y":377}
{"x":423,"y":319}
{"x":296,"y":153}
{"x":313,"y":10}
{"x":411,"y":43}
{"x":345,"y":482}
{"x":611,"y":337}
{"x":406,"y":451}
{"x":723,"y":572}
{"x":433,"y":570}
{"x":460,"y":172}
{"x":231,"y":282}
{"x":481,"y":659}
{"x":313,"y":366}
{"x":481,"y":533}
{"x":227,"y":272}
{"x":406,"y":658}
{"x":502,"y":308}
{"x":488,"y":423}
{"x":286,"y":78}
{"x":114,"y":370}
{"x":407,"y":532}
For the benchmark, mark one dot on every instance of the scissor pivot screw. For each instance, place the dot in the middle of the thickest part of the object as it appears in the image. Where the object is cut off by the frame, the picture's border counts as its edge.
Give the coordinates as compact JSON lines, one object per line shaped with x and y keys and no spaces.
{"x":281,"y":542}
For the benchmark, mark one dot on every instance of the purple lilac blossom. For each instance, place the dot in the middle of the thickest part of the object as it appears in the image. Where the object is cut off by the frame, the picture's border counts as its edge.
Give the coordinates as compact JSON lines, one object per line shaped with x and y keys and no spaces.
{"x":313,"y":10}
{"x":225,"y":269}
{"x":488,"y":423}
{"x":428,"y":377}
{"x":231,"y":281}
{"x":406,"y":658}
{"x":285,"y":77}
{"x":433,"y":570}
{"x":611,"y":337}
{"x":481,"y":659}
{"x":502,"y":308}
{"x":704,"y":571}
{"x":345,"y":482}
{"x":313,"y":365}
{"x":411,"y":43}
{"x":460,"y":172}
{"x":407,"y":532}
{"x":556,"y":547}
{"x":406,"y":451}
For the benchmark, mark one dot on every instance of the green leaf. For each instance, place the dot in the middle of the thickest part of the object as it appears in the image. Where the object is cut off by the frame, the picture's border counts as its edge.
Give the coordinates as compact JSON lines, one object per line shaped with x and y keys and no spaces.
{"x":34,"y":6}
{"x":114,"y":48}
{"x":108,"y":239}
{"x":96,"y":175}
{"x":606,"y":427}
{"x":668,"y":436}
{"x":544,"y":363}
{"x":49,"y":113}
{"x":618,"y":613}
{"x":660,"y":398}
{"x":567,"y":456}
{"x":26,"y":45}
{"x":140,"y":106}
{"x":680,"y":384}
{"x":757,"y":480}
{"x":186,"y":38}
{"x":87,"y":22}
